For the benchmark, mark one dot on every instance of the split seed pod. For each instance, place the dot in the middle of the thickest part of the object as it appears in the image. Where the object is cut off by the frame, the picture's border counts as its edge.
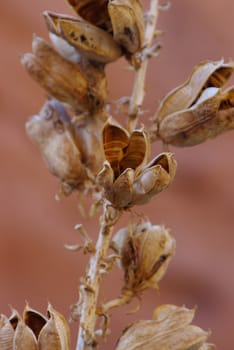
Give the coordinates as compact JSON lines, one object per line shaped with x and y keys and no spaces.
{"x":52,"y":131}
{"x":145,"y":252}
{"x":82,"y":86}
{"x":122,"y":18}
{"x":127,"y":177}
{"x":169,"y":330}
{"x":34,"y":331}
{"x":92,"y":42}
{"x":127,"y":23}
{"x":192,"y":113}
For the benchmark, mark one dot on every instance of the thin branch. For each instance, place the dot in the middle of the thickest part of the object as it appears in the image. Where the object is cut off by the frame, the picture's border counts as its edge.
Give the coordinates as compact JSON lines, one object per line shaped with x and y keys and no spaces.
{"x":139,"y":83}
{"x":89,"y":290}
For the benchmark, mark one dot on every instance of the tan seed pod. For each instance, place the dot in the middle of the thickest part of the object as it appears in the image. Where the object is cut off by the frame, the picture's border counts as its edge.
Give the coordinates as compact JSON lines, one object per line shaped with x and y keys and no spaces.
{"x":34,"y":320}
{"x":55,"y":335}
{"x":84,"y":88}
{"x":105,"y":177}
{"x":24,"y":337}
{"x":169,"y":332}
{"x":50,"y":130}
{"x":93,"y":11}
{"x":205,"y":74}
{"x":127,"y":23}
{"x":6,"y":333}
{"x":91,"y":41}
{"x":154,"y":178}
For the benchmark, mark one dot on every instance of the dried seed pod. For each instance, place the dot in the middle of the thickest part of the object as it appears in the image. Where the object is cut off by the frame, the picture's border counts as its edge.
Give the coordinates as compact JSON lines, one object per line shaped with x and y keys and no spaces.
{"x":88,"y":138}
{"x":127,"y":23}
{"x":24,"y":337}
{"x":115,"y":141}
{"x":145,"y":254}
{"x":55,"y":335}
{"x":6,"y":333}
{"x":105,"y":177}
{"x":91,"y":41}
{"x":205,"y":74}
{"x":154,"y":178}
{"x":93,"y":11}
{"x":34,"y":320}
{"x":171,"y":330}
{"x":83,"y":87}
{"x":51,"y":131}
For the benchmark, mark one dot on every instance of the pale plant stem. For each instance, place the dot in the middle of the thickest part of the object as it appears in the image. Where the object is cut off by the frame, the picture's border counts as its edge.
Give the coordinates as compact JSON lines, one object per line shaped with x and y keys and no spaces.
{"x":89,"y":290}
{"x":138,"y":92}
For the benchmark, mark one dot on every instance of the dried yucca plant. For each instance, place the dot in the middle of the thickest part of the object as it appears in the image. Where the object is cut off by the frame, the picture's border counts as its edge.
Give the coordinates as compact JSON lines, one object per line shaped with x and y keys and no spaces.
{"x":91,"y":152}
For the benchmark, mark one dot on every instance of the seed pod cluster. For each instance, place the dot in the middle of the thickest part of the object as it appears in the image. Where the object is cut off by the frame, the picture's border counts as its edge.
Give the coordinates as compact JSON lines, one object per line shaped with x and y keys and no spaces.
{"x":169,"y":330}
{"x":199,"y":109}
{"x":128,"y":178}
{"x":34,"y":331}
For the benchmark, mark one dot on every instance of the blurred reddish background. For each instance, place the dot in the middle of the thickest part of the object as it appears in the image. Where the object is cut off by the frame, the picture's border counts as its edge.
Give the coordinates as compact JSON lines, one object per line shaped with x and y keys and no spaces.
{"x":199,"y":207}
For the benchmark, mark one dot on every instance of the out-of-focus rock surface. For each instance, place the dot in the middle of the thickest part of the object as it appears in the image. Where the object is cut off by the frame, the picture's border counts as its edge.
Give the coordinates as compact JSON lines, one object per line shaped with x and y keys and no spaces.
{"x":199,"y":207}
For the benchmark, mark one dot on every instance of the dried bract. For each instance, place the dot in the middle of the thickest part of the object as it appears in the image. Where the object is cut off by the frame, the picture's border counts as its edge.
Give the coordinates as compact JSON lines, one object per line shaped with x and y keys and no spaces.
{"x":194,"y":111}
{"x":51,"y":130}
{"x":131,"y":179}
{"x":82,"y":86}
{"x":170,"y":330}
{"x":90,"y":41}
{"x":34,"y":331}
{"x":145,"y":252}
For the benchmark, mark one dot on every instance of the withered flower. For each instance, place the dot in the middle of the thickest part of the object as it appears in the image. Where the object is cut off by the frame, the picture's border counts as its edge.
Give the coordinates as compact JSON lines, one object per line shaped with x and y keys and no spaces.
{"x":169,"y":330}
{"x":80,"y":85}
{"x":71,"y":149}
{"x":34,"y":331}
{"x":123,"y":19}
{"x":199,"y":109}
{"x":128,"y":177}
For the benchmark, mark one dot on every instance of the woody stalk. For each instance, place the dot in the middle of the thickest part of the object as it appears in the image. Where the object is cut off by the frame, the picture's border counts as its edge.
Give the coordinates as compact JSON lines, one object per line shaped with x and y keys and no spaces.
{"x":92,"y":153}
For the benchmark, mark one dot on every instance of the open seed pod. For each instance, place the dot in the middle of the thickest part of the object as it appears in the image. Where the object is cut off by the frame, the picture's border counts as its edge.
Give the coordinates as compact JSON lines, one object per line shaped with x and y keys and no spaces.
{"x":82,"y":86}
{"x":122,"y":18}
{"x":192,"y":113}
{"x":52,"y":131}
{"x":94,"y":43}
{"x":170,"y":330}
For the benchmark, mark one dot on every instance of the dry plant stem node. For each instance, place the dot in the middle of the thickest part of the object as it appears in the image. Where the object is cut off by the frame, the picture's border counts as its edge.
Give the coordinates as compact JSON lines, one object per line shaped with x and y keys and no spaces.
{"x":89,"y":291}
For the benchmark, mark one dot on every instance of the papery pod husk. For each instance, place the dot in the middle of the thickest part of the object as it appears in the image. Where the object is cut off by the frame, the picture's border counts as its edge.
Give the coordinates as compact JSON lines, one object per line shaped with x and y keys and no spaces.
{"x":200,"y":122}
{"x":88,"y":138}
{"x":205,"y":74}
{"x":6,"y":334}
{"x":115,"y":141}
{"x":81,"y":86}
{"x":24,"y":338}
{"x":94,"y":11}
{"x":34,"y":320}
{"x":92,"y":42}
{"x":120,"y":193}
{"x":137,"y":153}
{"x":105,"y":177}
{"x":171,"y":330}
{"x":145,"y":256}
{"x":127,"y":23}
{"x":154,"y":178}
{"x":51,"y":131}
{"x":55,"y":335}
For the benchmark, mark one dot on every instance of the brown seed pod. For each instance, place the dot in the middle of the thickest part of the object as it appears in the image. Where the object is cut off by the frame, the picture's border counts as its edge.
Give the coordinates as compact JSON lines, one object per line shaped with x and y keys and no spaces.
{"x":94,"y":11}
{"x":91,"y":41}
{"x":127,"y":23}
{"x":81,"y":86}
